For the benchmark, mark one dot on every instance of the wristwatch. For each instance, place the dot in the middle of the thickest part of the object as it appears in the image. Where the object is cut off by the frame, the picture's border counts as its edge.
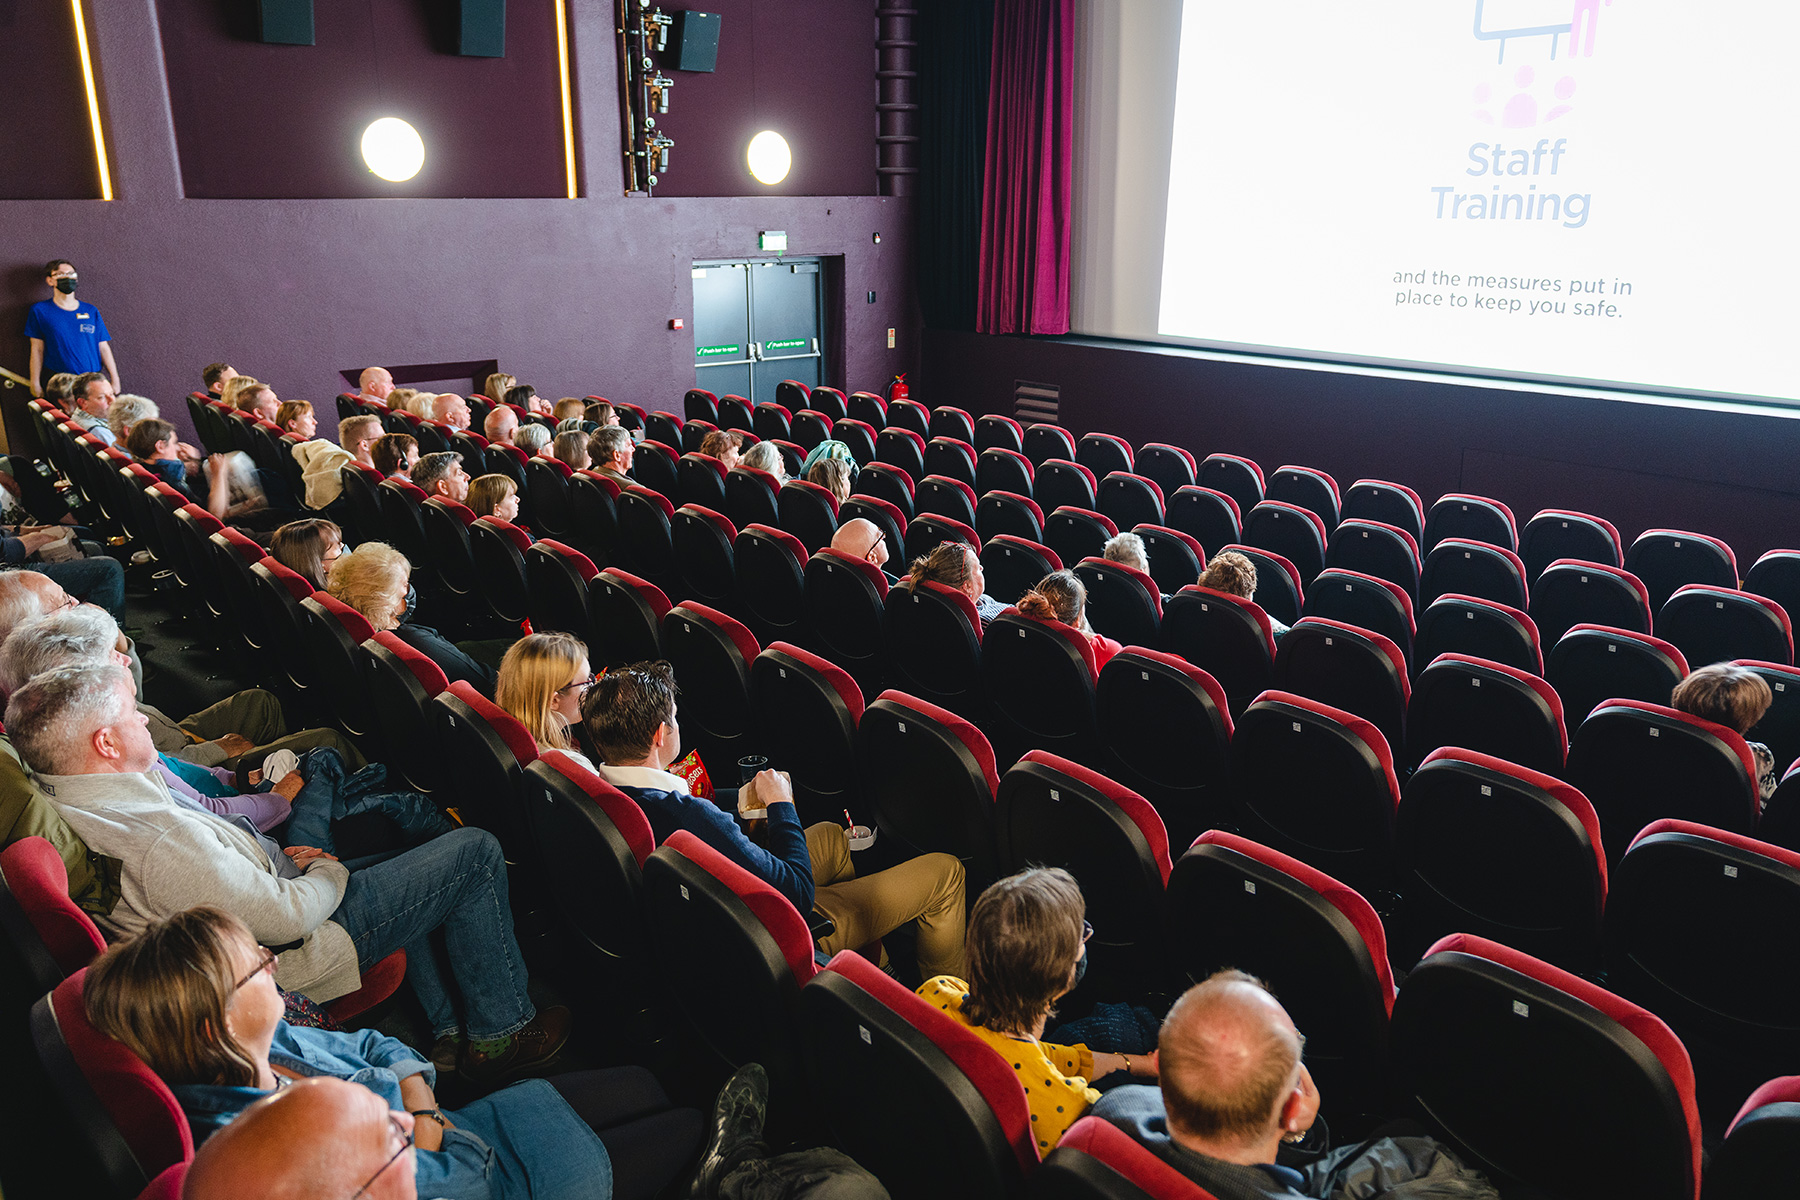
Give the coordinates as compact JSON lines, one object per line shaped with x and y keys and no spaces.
{"x":434,"y":1114}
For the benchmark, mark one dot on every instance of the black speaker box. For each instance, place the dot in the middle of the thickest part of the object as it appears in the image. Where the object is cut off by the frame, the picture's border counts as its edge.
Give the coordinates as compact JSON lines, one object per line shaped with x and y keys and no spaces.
{"x":481,"y":28}
{"x":285,"y":22}
{"x":694,"y":40}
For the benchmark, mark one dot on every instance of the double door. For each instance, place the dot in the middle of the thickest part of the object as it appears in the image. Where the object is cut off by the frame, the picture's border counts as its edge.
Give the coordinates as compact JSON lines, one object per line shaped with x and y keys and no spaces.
{"x":756,"y":324}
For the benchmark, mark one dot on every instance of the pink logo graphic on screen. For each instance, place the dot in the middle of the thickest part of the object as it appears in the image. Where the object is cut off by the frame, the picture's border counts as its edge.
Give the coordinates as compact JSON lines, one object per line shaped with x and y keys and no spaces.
{"x":1529,"y":95}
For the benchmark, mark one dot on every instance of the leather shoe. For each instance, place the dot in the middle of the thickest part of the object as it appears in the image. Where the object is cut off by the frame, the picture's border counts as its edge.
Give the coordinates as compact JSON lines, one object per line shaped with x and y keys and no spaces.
{"x":736,"y":1133}
{"x":532,"y":1048}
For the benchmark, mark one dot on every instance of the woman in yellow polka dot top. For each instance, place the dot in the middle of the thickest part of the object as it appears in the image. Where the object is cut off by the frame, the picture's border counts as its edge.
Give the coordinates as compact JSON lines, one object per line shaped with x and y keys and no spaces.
{"x":1027,"y":948}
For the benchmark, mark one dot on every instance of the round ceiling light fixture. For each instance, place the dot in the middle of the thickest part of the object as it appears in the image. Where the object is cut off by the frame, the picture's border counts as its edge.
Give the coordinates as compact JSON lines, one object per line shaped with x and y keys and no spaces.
{"x":769,"y":157}
{"x":393,"y":149}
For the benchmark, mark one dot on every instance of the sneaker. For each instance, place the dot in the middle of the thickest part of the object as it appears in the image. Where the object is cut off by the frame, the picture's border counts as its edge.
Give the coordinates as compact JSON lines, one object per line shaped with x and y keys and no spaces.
{"x":736,"y":1129}
{"x":531,"y":1049}
{"x":445,"y":1051}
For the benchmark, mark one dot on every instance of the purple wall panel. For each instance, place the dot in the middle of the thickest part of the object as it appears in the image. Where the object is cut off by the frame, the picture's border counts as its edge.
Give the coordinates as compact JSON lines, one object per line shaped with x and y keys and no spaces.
{"x":573,"y":296}
{"x":46,"y":146}
{"x":257,"y":121}
{"x":1729,"y":474}
{"x":804,"y":68}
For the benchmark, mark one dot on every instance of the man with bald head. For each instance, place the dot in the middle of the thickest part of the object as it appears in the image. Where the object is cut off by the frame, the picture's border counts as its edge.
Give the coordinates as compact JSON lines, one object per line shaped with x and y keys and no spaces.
{"x":448,"y":408}
{"x":861,"y":538}
{"x":500,"y":423}
{"x":1232,"y":1090}
{"x":374,"y":384}
{"x":315,"y":1137}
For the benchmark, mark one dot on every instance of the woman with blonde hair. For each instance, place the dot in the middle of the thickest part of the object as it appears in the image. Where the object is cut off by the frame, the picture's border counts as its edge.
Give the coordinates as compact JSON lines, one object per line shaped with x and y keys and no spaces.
{"x":376,"y":580}
{"x":494,"y":496}
{"x":496,"y":387}
{"x":236,"y":384}
{"x":296,"y":417}
{"x":543,"y":679}
{"x":195,"y":998}
{"x":1061,"y":596}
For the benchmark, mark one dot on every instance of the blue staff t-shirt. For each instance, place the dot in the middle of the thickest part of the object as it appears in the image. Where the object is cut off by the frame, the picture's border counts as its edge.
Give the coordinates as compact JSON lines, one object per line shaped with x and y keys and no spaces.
{"x":71,"y":337}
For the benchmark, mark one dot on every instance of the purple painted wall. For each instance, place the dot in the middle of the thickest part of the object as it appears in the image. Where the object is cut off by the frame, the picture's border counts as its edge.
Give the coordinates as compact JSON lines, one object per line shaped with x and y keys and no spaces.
{"x":259,"y":121}
{"x":1641,"y":466}
{"x":46,"y":148}
{"x":573,"y":296}
{"x":804,"y":68}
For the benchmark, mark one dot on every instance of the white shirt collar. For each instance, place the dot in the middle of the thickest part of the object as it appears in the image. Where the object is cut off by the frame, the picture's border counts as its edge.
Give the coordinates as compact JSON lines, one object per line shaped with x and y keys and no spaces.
{"x":648,"y":778}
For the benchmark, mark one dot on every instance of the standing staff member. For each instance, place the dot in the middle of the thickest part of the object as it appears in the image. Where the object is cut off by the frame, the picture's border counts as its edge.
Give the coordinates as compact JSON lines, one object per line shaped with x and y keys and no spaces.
{"x":67,"y":334}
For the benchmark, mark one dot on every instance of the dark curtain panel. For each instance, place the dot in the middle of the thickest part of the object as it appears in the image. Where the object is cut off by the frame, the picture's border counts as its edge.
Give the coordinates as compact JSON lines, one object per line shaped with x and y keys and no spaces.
{"x":1024,"y":284}
{"x":955,"y":43}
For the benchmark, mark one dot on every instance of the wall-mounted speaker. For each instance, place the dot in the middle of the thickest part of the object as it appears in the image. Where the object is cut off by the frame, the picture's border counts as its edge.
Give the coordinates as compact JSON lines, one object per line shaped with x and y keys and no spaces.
{"x":481,"y":28}
{"x":285,"y":22}
{"x":694,"y":41}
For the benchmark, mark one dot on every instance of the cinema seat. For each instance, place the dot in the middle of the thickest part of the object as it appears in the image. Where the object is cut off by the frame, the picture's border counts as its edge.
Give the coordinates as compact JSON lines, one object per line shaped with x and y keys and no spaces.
{"x":693,"y":435}
{"x":700,"y":479}
{"x":1237,"y":477}
{"x":1375,"y":548}
{"x":711,"y":654}
{"x":735,"y":412}
{"x":806,"y":710}
{"x":946,"y":497}
{"x":828,"y":402}
{"x":1290,"y":531}
{"x":654,"y":466}
{"x":927,"y":531}
{"x":1571,"y":592}
{"x":751,"y":497}
{"x":1317,"y":783}
{"x":1779,"y":728}
{"x":1078,"y":533}
{"x":1317,"y":943}
{"x":1761,"y":1152}
{"x":810,"y":428}
{"x":1471,"y":568}
{"x":1529,"y":1068}
{"x":909,"y":415}
{"x":647,"y":537}
{"x":700,"y":404}
{"x":995,"y":432}
{"x":846,"y":609}
{"x":1103,"y":453}
{"x":1346,"y":667}
{"x":858,"y":437}
{"x":1562,"y":533}
{"x":887,"y":482}
{"x":1639,"y":762}
{"x":279,"y":592}
{"x":499,"y":551}
{"x":1491,"y":848}
{"x":1009,"y":513}
{"x":1472,"y":519}
{"x":769,"y":420}
{"x":1667,"y":558}
{"x":452,"y":556}
{"x":868,"y":408}
{"x":1130,"y":499}
{"x":1458,"y":624}
{"x":1176,"y":558}
{"x":1486,"y":706}
{"x":1096,"y":1160}
{"x":592,"y":841}
{"x":933,"y":641}
{"x":1058,"y":481}
{"x":902,"y":448}
{"x":1044,"y":441}
{"x":334,"y":630}
{"x":664,"y":427}
{"x":484,"y":751}
{"x":998,"y":468}
{"x":49,"y":933}
{"x":951,"y":458}
{"x":1717,"y":624}
{"x":1165,"y":726}
{"x":1777,"y":575}
{"x":703,"y":541}
{"x":1211,"y":518}
{"x":770,"y":582}
{"x":1226,"y":636}
{"x":627,"y":619}
{"x":1386,"y":503}
{"x":1307,"y":488}
{"x":808,"y":512}
{"x":403,"y":520}
{"x":402,"y":682}
{"x":1038,"y":677}
{"x":930,"y":778}
{"x":948,"y":421}
{"x":1377,"y":605}
{"x":942,"y":1087}
{"x":1013,"y":565}
{"x":1171,"y":467}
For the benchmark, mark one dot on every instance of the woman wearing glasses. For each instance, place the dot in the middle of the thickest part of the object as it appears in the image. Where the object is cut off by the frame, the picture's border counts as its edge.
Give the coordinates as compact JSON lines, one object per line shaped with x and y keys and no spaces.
{"x":542,"y":680}
{"x":195,"y":998}
{"x":1027,"y":949}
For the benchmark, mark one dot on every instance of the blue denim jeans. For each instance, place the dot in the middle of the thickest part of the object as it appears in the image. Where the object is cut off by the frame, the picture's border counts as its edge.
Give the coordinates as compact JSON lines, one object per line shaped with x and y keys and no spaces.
{"x":456,"y":884}
{"x":332,"y":792}
{"x":99,"y":581}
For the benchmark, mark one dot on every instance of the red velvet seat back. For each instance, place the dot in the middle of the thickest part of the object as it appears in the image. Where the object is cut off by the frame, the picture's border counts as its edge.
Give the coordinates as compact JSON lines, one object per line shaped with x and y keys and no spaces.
{"x":39,"y":882}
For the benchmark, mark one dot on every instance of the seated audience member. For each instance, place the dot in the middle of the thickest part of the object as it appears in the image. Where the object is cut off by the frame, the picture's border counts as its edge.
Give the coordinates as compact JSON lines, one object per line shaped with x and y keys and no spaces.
{"x":308,"y":547}
{"x":216,"y":375}
{"x":736,"y":1164}
{"x":296,"y":417}
{"x":315,"y":1137}
{"x":376,"y":580}
{"x":532,"y":438}
{"x":194,"y":997}
{"x":1235,"y":575}
{"x":862,"y":538}
{"x":447,"y":408}
{"x":78,"y":728}
{"x":126,"y":411}
{"x":571,"y":447}
{"x":1735,"y":697}
{"x":91,"y":395}
{"x":601,"y":413}
{"x":419,"y":404}
{"x":1061,"y":596}
{"x":524,"y":396}
{"x":228,"y":394}
{"x":575,"y":425}
{"x":29,"y":588}
{"x":830,"y":465}
{"x":322,"y":469}
{"x":630,"y":716}
{"x":375,"y":383}
{"x":543,"y":679}
{"x":259,"y":400}
{"x":494,"y":496}
{"x":401,"y":398}
{"x":499,"y":424}
{"x":58,"y":388}
{"x":726,"y":445}
{"x":611,"y":450}
{"x":240,"y":493}
{"x":497,"y":385}
{"x":152,"y":442}
{"x":1027,"y":949}
{"x":956,"y":565}
{"x":358,"y":435}
{"x":766,"y":456}
{"x":1127,"y":549}
{"x":442,"y":474}
{"x":394,"y":455}
{"x":569,"y":409}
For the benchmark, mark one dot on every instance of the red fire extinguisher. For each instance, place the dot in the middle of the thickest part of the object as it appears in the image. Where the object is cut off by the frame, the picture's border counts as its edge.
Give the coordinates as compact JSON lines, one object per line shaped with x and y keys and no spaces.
{"x":897,"y":390}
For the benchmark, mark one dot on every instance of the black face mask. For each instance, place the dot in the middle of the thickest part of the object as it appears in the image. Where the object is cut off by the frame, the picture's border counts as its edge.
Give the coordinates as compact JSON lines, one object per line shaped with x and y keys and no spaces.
{"x":66,"y":286}
{"x":1080,"y":971}
{"x":412,"y":604}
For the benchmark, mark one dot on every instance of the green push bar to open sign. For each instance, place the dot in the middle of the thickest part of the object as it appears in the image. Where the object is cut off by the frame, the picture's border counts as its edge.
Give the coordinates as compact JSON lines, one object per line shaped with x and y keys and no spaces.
{"x":785,"y":344}
{"x":718,"y":352}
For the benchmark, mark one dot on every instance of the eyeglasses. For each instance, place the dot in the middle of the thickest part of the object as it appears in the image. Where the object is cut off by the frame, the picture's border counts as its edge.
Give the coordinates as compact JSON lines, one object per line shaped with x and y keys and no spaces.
{"x":880,"y":537}
{"x":580,"y":684}
{"x":406,"y":1143}
{"x":1087,"y":931}
{"x":267,"y":964}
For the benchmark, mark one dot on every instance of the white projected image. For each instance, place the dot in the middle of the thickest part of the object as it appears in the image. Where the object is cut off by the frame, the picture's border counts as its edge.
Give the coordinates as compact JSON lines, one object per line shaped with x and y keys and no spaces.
{"x":1593,"y":190}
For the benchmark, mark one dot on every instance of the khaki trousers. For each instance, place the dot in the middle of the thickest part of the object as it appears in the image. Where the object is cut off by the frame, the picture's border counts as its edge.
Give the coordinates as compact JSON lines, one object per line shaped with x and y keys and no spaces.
{"x":928,"y":889}
{"x":256,"y":716}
